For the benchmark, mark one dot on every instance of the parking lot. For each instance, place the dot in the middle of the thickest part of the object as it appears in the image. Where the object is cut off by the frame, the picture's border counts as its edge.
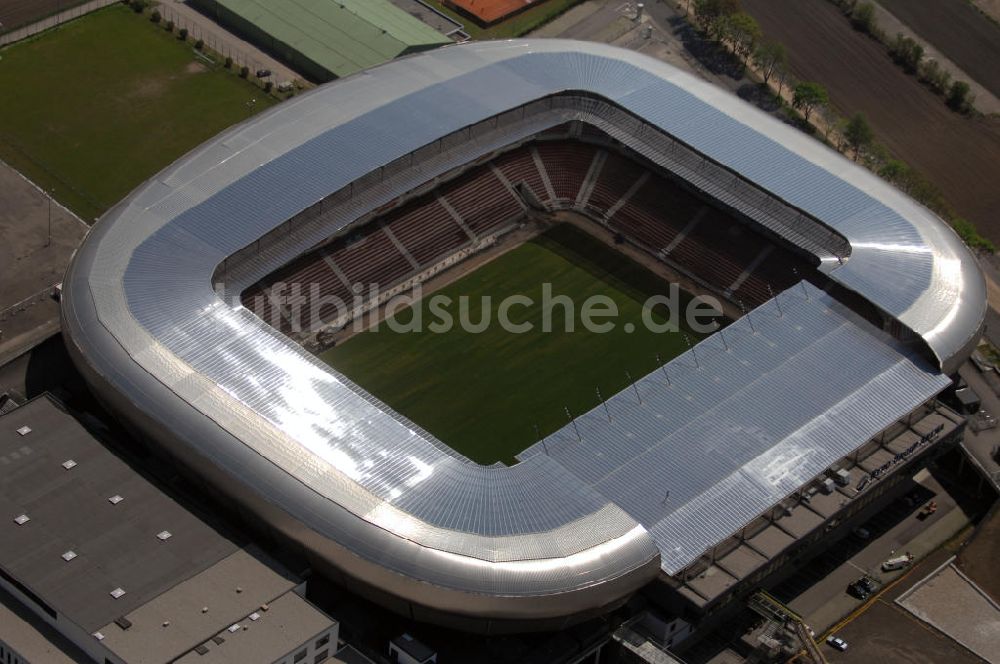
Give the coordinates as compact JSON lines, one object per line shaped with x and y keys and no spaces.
{"x":818,"y":591}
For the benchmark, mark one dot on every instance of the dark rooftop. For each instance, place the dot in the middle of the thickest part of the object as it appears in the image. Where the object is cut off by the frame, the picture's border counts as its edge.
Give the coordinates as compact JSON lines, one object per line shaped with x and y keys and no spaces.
{"x":413,"y":648}
{"x":78,"y":545}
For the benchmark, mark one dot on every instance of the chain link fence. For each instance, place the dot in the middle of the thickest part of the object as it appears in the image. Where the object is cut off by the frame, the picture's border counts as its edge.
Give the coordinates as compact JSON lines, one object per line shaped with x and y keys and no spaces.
{"x":24,"y":305}
{"x":214,"y":41}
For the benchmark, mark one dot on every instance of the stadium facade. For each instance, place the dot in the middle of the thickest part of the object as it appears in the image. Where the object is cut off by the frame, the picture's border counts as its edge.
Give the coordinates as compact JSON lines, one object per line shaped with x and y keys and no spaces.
{"x":601,"y":508}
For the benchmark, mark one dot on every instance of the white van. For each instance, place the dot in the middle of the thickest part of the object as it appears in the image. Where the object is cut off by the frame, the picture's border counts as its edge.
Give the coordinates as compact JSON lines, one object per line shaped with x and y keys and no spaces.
{"x":899,"y":562}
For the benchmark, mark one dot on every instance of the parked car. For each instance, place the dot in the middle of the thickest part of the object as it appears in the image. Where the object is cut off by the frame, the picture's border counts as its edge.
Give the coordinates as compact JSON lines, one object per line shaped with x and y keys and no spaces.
{"x":836,"y":642}
{"x":861,"y":589}
{"x":862,"y":533}
{"x":263,"y":73}
{"x":898,"y":562}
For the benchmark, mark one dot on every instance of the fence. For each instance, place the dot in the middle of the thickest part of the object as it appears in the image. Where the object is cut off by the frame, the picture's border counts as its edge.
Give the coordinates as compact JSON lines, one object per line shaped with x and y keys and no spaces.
{"x":60,"y":17}
{"x":218,"y":42}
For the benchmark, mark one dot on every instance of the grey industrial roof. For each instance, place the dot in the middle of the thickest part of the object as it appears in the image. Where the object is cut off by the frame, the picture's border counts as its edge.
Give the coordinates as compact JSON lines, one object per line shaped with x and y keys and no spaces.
{"x":231,"y":590}
{"x":289,"y":623}
{"x":115,"y":545}
{"x":391,"y":505}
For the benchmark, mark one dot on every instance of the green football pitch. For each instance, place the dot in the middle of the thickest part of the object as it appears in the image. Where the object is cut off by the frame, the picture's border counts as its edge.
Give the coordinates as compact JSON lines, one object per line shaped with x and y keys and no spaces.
{"x":484,"y":393}
{"x":93,"y":108}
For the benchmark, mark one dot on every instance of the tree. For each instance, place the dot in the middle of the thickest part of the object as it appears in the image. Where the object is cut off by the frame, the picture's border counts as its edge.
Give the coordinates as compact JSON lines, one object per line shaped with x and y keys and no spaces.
{"x":714,"y":15}
{"x":906,"y":52}
{"x":959,"y":98}
{"x":935,"y":76}
{"x":183,"y":34}
{"x":808,"y":96}
{"x":859,"y":134}
{"x":863,"y":17}
{"x":770,"y":57}
{"x":894,"y":171}
{"x":743,"y":32}
{"x":712,"y":9}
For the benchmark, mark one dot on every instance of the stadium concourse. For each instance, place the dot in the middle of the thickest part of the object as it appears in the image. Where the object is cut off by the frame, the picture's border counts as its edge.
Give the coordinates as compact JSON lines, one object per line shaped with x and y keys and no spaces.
{"x":433,"y":156}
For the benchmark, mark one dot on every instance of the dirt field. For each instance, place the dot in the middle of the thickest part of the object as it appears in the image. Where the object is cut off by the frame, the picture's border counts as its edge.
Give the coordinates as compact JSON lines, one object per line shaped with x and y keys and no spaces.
{"x":958,"y":154}
{"x":978,"y":560}
{"x":16,"y":13}
{"x":959,"y":31}
{"x":888,"y":633}
{"x":29,"y":267}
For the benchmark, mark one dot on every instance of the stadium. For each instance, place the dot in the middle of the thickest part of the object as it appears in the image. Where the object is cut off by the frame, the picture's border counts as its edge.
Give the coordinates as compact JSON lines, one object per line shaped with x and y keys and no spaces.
{"x":853,"y":302}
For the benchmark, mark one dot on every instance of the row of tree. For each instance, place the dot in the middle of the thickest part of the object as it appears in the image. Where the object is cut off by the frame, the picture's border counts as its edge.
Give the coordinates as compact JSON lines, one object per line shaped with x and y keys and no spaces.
{"x":910,"y":55}
{"x":725,"y":22}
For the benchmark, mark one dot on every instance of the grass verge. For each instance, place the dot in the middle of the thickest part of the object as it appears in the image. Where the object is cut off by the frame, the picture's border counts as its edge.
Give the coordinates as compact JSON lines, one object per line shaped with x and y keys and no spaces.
{"x":102,"y":103}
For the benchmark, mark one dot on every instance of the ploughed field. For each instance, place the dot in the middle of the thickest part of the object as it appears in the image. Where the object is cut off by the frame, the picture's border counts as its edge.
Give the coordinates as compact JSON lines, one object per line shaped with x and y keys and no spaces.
{"x":18,"y":13}
{"x":958,"y":154}
{"x":960,"y":31}
{"x":483,"y":392}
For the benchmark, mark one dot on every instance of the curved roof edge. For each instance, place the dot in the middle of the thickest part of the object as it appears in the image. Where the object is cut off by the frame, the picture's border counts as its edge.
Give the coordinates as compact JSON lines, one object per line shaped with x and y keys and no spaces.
{"x":145,"y":322}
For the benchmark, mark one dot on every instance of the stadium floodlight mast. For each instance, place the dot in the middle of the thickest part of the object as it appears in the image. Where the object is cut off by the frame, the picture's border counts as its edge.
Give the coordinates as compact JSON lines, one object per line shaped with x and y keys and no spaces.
{"x":573,"y":422}
{"x":607,"y":411}
{"x":694,"y":353}
{"x":635,"y":387}
{"x":663,"y":367}
{"x":805,"y":290}
{"x":746,"y":314}
{"x":770,"y":291}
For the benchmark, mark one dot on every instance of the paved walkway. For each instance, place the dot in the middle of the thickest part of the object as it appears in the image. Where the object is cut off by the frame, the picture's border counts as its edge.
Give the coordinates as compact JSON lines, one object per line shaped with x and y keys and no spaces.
{"x":222,"y":41}
{"x":54,"y":20}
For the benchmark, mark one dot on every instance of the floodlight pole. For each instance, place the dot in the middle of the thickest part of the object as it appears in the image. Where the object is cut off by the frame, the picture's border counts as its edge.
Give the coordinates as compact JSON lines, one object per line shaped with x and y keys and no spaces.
{"x":777,"y":302}
{"x":634,"y":386}
{"x":663,"y":367}
{"x":694,"y":353}
{"x":573,"y":421}
{"x":802,"y":282}
{"x":607,"y":411}
{"x":746,"y":314}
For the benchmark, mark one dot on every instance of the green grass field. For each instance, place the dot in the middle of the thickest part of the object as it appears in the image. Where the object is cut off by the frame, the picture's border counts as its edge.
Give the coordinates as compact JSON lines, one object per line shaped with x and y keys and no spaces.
{"x":516,"y":26}
{"x":482,"y":393}
{"x":95,"y":107}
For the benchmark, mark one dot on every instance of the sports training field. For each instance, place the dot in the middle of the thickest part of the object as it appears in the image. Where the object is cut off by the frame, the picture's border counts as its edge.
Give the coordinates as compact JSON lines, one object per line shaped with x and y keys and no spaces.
{"x":482,"y":393}
{"x":97,"y":106}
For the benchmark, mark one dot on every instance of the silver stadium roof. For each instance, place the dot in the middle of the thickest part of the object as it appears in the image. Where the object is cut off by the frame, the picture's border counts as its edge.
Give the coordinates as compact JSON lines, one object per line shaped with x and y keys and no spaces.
{"x":381,"y":504}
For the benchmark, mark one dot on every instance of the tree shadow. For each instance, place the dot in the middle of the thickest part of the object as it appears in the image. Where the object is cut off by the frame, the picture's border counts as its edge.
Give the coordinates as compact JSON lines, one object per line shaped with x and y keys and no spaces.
{"x":709,"y":53}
